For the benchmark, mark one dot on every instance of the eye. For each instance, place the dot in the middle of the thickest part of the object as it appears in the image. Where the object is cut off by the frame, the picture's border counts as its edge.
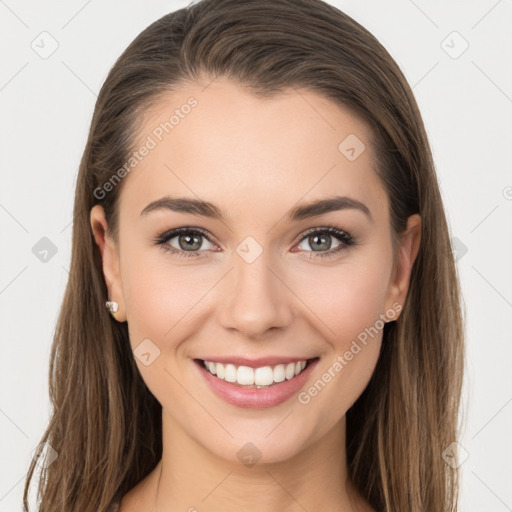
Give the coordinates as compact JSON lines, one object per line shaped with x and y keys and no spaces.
{"x":184,"y":242}
{"x":320,"y":239}
{"x":188,"y":242}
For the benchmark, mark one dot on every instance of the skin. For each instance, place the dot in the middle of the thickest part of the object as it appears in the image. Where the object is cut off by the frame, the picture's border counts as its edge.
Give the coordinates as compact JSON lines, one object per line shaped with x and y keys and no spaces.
{"x":255,"y":159}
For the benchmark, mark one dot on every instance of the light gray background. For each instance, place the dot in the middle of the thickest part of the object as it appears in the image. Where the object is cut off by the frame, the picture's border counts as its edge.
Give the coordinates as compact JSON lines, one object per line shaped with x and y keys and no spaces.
{"x":47,"y":105}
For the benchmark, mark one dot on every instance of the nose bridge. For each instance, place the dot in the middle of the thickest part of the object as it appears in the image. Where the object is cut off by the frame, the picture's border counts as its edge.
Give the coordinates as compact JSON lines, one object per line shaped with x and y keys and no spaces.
{"x":256,"y":300}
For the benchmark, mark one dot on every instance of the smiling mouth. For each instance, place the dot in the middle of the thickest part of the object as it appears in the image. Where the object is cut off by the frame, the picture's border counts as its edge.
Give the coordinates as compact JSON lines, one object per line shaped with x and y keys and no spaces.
{"x":262,"y":377}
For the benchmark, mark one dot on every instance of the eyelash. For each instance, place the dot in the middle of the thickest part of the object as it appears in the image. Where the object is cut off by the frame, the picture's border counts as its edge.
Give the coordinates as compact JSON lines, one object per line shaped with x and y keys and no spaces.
{"x":346,"y":239}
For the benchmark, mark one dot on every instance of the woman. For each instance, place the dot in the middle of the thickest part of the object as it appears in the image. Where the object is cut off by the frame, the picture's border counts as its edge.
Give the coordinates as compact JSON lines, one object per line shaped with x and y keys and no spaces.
{"x":257,"y":208}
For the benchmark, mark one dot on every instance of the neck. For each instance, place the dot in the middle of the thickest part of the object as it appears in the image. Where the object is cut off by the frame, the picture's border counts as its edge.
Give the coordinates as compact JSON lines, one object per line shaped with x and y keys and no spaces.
{"x":191,"y":478}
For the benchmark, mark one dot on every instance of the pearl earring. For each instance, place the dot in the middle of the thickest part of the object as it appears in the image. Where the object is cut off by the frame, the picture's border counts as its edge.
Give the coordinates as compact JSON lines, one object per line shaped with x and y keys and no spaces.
{"x":112,"y":306}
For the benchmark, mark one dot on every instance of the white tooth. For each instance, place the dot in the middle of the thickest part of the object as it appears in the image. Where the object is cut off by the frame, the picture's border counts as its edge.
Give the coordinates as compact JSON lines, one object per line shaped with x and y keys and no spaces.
{"x":259,"y":377}
{"x":230,"y":375}
{"x":220,"y":371}
{"x":245,"y":376}
{"x":279,"y":373}
{"x":263,"y":376}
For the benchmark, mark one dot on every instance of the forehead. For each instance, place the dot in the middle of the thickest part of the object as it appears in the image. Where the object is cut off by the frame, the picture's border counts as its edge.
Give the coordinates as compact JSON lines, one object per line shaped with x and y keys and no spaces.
{"x":227,"y":146}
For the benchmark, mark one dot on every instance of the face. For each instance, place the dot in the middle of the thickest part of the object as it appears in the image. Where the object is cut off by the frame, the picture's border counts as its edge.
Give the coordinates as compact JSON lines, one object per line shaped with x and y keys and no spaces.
{"x":254,"y":285}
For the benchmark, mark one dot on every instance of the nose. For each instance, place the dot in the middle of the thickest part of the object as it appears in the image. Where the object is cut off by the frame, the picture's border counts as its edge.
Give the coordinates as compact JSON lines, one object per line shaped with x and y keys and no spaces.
{"x":256,"y":298}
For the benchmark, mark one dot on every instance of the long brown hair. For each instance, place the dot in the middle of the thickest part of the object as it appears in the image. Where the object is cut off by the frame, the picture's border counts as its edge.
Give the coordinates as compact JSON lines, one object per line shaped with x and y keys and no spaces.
{"x":105,"y":424}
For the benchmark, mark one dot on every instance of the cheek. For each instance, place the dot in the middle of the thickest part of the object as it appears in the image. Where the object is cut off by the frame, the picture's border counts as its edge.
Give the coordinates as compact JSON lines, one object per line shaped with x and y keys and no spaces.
{"x":347,"y":299}
{"x":162,"y":301}
{"x":160,"y":296}
{"x":349,"y":304}
{"x":339,"y":382}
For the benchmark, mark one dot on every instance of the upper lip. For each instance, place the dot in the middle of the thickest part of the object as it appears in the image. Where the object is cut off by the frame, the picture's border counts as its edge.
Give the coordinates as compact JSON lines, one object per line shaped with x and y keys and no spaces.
{"x":258,"y":362}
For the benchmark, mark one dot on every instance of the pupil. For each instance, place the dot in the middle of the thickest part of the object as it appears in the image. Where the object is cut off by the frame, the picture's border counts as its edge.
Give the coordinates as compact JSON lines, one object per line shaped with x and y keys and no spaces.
{"x":326,"y":244}
{"x":188,"y":240}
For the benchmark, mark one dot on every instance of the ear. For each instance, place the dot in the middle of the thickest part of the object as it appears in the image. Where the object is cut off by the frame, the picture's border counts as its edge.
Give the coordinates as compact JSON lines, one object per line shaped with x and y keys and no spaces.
{"x":404,"y":260}
{"x":109,"y":260}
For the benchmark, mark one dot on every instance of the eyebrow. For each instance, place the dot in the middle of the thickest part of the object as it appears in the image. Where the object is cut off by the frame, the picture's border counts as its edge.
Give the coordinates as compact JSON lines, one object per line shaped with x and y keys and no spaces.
{"x":207,"y":209}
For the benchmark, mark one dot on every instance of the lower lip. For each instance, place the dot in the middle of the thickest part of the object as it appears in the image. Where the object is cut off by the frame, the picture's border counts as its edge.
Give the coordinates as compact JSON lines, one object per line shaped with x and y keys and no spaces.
{"x":255,"y":398}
